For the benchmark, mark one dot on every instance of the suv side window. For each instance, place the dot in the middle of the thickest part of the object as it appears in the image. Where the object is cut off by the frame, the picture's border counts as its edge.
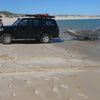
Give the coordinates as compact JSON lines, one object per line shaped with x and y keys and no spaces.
{"x":35,"y":22}
{"x":50,"y":23}
{"x":24,"y":23}
{"x":42,"y":22}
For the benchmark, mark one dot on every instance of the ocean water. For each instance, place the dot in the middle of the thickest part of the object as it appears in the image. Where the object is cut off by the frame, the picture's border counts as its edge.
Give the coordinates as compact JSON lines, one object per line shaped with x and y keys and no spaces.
{"x":84,"y":24}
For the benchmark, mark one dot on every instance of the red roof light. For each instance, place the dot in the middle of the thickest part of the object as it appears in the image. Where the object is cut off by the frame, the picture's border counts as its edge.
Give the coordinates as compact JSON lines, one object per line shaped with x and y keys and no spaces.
{"x":41,"y":16}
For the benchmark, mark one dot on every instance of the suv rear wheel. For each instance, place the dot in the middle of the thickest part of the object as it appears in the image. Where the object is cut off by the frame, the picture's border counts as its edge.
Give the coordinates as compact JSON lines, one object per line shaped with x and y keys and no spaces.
{"x":6,"y":38}
{"x":45,"y":38}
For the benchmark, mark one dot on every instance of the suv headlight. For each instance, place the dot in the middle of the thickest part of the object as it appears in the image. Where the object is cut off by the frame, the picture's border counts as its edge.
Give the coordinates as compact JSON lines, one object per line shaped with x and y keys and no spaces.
{"x":1,"y":29}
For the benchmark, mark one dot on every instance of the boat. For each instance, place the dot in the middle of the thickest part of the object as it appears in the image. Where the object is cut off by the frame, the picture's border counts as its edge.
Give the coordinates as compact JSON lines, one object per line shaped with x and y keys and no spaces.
{"x":83,"y":33}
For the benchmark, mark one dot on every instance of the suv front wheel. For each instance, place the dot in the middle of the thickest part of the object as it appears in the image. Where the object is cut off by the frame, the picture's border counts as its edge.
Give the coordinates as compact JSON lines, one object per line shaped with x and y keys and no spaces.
{"x":6,"y":38}
{"x":45,"y":38}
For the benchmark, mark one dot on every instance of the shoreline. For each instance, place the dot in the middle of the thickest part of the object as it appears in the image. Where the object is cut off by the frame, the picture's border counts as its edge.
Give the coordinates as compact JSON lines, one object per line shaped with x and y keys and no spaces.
{"x":75,"y":18}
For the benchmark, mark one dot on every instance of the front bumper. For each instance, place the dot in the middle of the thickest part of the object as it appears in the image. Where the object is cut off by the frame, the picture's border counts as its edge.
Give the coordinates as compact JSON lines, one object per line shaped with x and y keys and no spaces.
{"x":1,"y":29}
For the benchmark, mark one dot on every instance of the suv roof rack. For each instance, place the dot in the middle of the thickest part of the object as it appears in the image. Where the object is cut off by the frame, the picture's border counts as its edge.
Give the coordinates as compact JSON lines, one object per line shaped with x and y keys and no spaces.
{"x":47,"y":16}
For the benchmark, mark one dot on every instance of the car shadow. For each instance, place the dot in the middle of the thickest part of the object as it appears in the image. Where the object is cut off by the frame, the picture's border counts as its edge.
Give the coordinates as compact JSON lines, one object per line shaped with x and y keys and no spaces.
{"x":56,"y":40}
{"x":86,"y":39}
{"x":26,"y":42}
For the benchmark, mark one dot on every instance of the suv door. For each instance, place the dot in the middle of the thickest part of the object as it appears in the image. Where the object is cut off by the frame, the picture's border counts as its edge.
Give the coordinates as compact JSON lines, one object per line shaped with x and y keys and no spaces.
{"x":35,"y":27}
{"x":23,"y":30}
{"x":51,"y":26}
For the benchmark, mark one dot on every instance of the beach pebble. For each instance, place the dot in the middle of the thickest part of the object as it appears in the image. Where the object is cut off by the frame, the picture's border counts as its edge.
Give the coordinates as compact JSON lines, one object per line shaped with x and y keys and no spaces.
{"x":14,"y":62}
{"x":28,"y":81}
{"x":78,"y":87}
{"x":54,"y":89}
{"x":68,"y":52}
{"x":72,"y":76}
{"x":47,"y":79}
{"x":64,"y":86}
{"x":13,"y":94}
{"x":82,"y":95}
{"x":9,"y":85}
{"x":35,"y":91}
{"x":3,"y":78}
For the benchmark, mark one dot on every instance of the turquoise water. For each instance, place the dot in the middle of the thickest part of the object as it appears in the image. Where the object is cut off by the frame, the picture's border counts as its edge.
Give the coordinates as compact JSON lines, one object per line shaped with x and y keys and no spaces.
{"x":85,"y":24}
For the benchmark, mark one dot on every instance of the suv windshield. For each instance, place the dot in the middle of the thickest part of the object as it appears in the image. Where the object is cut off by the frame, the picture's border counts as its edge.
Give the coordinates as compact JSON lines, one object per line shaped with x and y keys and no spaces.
{"x":50,"y":23}
{"x":16,"y":22}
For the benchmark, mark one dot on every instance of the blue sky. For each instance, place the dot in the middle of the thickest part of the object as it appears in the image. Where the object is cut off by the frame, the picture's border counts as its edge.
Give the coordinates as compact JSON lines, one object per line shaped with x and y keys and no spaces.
{"x":69,"y":7}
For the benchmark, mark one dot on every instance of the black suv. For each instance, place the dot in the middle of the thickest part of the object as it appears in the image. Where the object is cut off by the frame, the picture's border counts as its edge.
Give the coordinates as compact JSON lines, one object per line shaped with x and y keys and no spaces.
{"x":41,"y":28}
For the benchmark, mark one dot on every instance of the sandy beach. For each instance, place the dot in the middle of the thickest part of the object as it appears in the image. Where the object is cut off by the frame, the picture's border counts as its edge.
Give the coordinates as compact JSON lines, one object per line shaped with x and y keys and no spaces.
{"x":65,"y":69}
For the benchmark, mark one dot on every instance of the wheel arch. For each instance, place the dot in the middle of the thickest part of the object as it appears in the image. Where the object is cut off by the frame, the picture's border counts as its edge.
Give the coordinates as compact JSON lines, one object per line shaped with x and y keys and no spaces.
{"x":6,"y":38}
{"x":44,"y":32}
{"x":5,"y":32}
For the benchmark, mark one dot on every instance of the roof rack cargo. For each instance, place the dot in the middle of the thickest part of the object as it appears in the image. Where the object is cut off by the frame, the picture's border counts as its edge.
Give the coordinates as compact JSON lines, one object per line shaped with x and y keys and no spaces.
{"x":40,"y":16}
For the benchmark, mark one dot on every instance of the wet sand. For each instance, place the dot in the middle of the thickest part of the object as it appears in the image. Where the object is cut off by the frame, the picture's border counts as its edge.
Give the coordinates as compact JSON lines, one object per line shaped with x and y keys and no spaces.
{"x":62,"y":70}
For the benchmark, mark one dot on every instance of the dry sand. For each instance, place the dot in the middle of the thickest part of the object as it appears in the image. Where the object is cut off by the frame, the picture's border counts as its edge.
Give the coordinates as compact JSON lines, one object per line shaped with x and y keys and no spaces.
{"x":67,"y":70}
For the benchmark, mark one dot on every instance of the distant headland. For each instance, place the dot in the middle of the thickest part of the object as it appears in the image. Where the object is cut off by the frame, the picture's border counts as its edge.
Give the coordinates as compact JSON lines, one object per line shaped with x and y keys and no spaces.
{"x":7,"y":14}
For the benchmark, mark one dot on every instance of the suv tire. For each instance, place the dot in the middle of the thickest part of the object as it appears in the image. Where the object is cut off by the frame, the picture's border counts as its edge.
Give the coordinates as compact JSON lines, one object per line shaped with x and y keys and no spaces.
{"x":6,"y":38}
{"x":45,"y":38}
